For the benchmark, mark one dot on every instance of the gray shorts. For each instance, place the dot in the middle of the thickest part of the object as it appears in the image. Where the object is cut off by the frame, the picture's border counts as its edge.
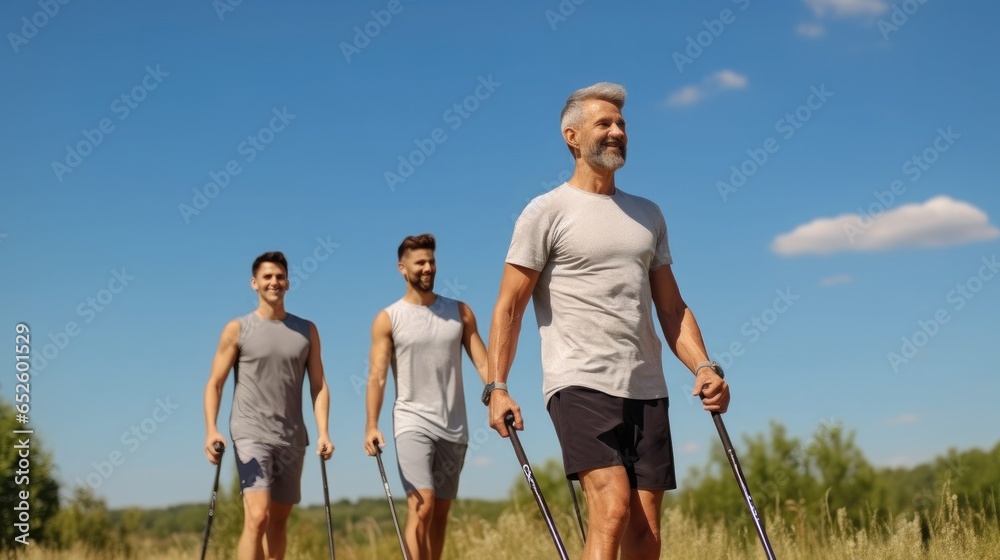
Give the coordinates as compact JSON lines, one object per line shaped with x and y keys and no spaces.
{"x":427,"y":463}
{"x":264,"y":466}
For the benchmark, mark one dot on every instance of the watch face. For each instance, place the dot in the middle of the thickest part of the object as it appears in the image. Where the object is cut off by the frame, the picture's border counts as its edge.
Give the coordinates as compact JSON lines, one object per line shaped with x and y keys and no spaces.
{"x":486,"y":393}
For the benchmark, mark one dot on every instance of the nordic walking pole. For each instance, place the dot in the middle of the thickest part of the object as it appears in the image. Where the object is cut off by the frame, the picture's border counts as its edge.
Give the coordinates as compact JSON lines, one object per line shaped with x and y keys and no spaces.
{"x":576,"y":506}
{"x":535,"y":490}
{"x":388,"y":495}
{"x":220,"y":449}
{"x":326,"y":502}
{"x":742,"y":481}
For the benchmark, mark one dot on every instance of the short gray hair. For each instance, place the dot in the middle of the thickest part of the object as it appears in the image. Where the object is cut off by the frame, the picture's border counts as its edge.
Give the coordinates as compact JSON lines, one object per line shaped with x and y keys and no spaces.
{"x":572,"y":112}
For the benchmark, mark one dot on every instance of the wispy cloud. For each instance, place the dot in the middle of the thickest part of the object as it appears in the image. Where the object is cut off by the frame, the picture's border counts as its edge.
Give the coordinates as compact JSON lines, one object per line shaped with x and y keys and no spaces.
{"x":843,"y":8}
{"x":836,"y":280}
{"x":481,"y":461}
{"x":810,"y":30}
{"x":716,"y":83}
{"x":903,"y":419}
{"x":691,"y":448}
{"x":939,"y":222}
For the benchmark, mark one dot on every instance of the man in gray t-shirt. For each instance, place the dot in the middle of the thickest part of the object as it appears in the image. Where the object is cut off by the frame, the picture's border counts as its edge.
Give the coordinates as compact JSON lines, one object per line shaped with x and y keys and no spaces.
{"x":421,"y":336}
{"x":595,"y":261}
{"x":271,"y":353}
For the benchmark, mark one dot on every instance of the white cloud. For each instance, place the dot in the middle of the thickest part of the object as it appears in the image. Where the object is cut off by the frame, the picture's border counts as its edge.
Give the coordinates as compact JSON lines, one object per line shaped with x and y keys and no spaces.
{"x":847,"y":7}
{"x":691,"y":448}
{"x":836,"y":280}
{"x":810,"y":30}
{"x":481,"y":461}
{"x":939,"y":222}
{"x":720,"y":81}
{"x":903,"y":419}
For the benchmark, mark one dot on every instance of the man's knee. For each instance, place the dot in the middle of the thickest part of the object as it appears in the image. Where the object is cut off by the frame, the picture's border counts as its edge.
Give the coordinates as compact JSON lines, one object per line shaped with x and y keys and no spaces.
{"x":610,"y":515}
{"x":255,"y":515}
{"x":421,"y":507}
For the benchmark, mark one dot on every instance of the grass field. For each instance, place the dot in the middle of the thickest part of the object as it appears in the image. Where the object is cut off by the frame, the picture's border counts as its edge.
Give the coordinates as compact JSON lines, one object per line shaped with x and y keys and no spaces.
{"x":520,"y":534}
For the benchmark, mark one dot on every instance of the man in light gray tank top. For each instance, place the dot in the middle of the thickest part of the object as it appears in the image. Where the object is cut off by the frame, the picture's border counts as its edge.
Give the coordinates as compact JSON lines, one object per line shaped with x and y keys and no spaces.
{"x":595,"y":260}
{"x":421,"y":336}
{"x":271,"y":352}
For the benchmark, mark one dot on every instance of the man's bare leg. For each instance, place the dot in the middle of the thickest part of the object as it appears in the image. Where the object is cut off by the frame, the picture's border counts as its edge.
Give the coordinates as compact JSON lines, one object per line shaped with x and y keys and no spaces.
{"x":256,"y":505}
{"x":608,"y":499}
{"x":439,"y":522}
{"x":420,"y":505}
{"x":276,"y":535}
{"x":642,"y":536}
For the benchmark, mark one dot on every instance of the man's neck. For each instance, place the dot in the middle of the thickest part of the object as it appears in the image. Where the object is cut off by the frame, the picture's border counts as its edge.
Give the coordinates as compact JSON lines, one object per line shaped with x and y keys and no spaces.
{"x":592,"y":179}
{"x":266,"y":310}
{"x":417,"y":297}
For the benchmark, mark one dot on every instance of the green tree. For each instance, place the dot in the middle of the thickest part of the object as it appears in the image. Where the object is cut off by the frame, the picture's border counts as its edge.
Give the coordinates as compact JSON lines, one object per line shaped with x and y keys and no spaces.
{"x":28,"y":489}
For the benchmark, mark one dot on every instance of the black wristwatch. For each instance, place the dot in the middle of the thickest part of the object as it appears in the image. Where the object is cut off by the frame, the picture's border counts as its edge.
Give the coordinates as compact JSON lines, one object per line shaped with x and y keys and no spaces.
{"x":714,"y":365}
{"x":489,"y":388}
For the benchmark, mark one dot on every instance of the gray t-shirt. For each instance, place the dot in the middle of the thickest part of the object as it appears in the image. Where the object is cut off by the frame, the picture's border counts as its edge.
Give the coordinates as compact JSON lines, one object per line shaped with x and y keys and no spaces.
{"x":592,"y":300}
{"x":427,"y":368}
{"x":269,"y":371}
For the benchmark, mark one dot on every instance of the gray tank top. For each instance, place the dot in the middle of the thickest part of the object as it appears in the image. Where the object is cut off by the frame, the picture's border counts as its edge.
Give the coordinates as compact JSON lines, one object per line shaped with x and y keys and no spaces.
{"x":427,"y":367}
{"x":269,"y":372}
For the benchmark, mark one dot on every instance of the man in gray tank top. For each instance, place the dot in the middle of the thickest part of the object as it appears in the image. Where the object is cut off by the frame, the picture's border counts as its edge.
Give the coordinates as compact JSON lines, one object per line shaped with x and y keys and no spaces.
{"x":271,"y":352}
{"x":595,"y":260}
{"x":421,"y":336}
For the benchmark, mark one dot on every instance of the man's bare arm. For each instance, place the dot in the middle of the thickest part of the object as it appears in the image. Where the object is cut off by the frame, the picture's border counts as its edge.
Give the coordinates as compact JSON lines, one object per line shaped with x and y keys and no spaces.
{"x":222,"y":363}
{"x":320,"y":392}
{"x":681,"y":331}
{"x":473,"y":343}
{"x":378,"y":371}
{"x":516,"y":286}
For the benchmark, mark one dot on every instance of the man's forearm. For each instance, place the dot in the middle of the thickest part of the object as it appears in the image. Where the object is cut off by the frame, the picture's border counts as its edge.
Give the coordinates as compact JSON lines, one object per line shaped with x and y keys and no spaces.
{"x":321,"y":408}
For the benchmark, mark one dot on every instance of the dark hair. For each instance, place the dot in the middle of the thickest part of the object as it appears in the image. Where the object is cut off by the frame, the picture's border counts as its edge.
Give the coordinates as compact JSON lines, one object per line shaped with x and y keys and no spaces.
{"x":422,"y":241}
{"x":276,"y":257}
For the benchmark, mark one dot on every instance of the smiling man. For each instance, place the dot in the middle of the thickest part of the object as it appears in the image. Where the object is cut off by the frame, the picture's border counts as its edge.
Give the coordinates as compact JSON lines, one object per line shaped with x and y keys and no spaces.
{"x":422,"y":335}
{"x":595,"y":260}
{"x":270,"y":352}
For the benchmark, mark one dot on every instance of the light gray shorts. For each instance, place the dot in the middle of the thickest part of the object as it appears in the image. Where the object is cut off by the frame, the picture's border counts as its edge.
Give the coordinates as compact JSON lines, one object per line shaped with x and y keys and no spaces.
{"x":427,"y":463}
{"x":263,"y":466}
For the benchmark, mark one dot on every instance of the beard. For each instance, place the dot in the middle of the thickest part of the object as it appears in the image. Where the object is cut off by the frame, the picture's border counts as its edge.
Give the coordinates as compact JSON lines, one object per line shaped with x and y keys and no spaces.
{"x":600,"y":156}
{"x":422,"y":284}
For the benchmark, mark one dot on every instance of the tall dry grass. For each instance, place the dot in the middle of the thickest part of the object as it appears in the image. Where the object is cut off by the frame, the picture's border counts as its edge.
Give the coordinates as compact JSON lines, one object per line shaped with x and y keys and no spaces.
{"x":519,"y":534}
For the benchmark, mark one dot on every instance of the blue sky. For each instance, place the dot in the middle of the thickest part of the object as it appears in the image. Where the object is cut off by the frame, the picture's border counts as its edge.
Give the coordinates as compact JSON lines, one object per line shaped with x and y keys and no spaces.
{"x":825,"y":168}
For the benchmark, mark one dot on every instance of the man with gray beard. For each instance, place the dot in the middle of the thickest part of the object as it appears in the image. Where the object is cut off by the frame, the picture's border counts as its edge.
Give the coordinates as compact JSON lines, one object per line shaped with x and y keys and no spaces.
{"x":595,"y":260}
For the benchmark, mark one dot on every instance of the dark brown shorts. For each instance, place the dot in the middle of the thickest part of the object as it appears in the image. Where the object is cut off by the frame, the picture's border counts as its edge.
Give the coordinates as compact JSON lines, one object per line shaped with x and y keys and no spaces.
{"x":598,"y":430}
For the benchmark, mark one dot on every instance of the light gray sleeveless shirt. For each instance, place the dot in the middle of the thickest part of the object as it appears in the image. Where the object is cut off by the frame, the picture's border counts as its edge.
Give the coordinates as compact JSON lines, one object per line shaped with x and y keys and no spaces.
{"x":427,"y":367}
{"x":269,"y":372}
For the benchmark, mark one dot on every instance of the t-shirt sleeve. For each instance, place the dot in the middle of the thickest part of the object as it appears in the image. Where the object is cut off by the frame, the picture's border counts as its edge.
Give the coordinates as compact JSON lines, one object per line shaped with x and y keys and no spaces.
{"x":661,"y":255}
{"x":530,"y":244}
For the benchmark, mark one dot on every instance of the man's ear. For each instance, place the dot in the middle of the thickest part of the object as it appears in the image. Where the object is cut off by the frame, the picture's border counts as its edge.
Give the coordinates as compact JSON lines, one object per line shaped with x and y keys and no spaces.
{"x":570,"y":136}
{"x":253,"y":283}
